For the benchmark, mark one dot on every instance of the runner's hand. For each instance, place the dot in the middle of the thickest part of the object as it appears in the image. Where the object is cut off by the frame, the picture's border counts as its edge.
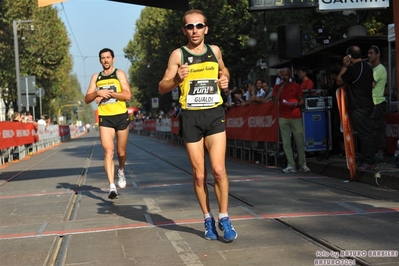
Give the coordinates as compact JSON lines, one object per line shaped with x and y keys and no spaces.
{"x":223,"y":81}
{"x":182,"y":73}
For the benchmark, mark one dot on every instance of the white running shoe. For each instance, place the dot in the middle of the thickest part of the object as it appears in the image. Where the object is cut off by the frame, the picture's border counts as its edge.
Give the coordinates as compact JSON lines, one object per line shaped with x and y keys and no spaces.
{"x":121,"y":179}
{"x":305,"y":169}
{"x":113,"y":193}
{"x":289,"y":169}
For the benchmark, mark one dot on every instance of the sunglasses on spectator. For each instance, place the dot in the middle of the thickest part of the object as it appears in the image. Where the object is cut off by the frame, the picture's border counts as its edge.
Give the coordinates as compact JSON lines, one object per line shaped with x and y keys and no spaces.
{"x":375,"y":47}
{"x":197,"y":25}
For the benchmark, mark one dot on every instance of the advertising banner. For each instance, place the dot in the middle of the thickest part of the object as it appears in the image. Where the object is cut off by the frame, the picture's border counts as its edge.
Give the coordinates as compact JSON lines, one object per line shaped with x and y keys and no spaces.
{"x":255,"y":122}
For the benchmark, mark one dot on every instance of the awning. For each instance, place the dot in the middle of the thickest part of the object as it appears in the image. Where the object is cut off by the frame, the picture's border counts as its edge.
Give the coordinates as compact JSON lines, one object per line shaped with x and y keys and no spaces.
{"x":326,"y":56}
{"x":181,"y":5}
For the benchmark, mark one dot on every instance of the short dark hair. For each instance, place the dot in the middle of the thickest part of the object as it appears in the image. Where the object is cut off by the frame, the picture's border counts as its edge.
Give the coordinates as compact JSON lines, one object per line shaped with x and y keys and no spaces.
{"x":104,"y":51}
{"x":354,"y":51}
{"x":376,"y":50}
{"x":237,"y":91}
{"x":193,"y":11}
{"x":304,"y":69}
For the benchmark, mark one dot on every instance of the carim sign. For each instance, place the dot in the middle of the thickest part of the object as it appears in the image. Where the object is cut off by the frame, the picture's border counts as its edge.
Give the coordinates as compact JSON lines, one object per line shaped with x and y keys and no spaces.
{"x":336,"y":5}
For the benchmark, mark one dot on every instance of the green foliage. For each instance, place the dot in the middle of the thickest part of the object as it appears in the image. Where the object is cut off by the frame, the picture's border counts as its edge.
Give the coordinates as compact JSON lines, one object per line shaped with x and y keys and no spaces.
{"x":43,"y":52}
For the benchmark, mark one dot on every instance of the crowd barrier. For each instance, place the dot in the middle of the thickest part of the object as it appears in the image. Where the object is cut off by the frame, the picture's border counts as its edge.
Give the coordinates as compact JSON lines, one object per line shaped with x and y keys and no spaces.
{"x":252,"y":132}
{"x":18,"y":140}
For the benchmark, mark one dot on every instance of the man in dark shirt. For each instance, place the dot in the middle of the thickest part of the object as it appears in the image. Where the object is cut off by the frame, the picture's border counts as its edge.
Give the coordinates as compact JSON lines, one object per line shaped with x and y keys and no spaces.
{"x":358,"y":78}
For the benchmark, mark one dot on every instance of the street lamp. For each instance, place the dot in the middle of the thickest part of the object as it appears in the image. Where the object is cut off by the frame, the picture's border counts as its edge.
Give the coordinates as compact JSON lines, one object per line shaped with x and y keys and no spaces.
{"x":15,"y":24}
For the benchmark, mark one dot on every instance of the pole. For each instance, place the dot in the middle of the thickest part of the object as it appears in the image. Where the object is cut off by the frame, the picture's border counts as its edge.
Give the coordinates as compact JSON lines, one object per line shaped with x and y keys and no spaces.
{"x":395,"y":4}
{"x":16,"y":51}
{"x":27,"y":94}
{"x":15,"y":23}
{"x":40,"y":97}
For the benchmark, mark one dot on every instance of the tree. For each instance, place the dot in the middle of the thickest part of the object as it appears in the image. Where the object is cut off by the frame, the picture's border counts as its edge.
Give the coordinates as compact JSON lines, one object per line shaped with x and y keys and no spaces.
{"x":43,"y":53}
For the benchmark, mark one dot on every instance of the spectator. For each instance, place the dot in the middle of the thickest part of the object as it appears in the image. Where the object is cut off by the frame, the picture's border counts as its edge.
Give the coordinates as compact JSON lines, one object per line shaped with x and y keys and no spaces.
{"x":307,"y":85}
{"x":42,"y":121}
{"x":22,"y":118}
{"x":268,"y":91}
{"x":288,"y":96}
{"x":358,"y":76}
{"x":227,"y":98}
{"x":245,"y":94}
{"x":29,"y":117}
{"x":251,"y":93}
{"x":48,"y":121}
{"x":380,"y":104}
{"x":237,"y":98}
{"x":278,"y":77}
{"x":16,"y":117}
{"x":259,"y":92}
{"x":173,"y":110}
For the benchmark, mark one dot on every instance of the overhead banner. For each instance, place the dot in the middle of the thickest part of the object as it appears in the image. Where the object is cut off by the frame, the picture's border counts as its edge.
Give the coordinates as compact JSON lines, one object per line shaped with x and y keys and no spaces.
{"x":339,"y":5}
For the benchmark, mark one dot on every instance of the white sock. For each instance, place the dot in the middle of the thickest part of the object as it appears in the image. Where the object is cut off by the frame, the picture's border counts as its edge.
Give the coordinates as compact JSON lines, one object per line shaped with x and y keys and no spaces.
{"x":208,"y":215}
{"x":223,"y":215}
{"x":120,"y":171}
{"x":112,"y":185}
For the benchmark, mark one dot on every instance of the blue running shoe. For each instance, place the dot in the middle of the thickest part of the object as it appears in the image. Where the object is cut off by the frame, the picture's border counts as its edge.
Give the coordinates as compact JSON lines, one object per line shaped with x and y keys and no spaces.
{"x":229,"y":233}
{"x":210,"y":229}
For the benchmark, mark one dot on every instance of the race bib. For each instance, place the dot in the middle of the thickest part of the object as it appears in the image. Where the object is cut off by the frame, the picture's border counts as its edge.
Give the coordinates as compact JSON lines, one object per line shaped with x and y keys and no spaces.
{"x":111,"y":87}
{"x":203,"y":93}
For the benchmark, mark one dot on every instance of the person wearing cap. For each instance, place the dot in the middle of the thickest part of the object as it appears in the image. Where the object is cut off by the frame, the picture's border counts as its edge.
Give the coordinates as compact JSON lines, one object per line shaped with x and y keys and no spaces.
{"x":380,"y":104}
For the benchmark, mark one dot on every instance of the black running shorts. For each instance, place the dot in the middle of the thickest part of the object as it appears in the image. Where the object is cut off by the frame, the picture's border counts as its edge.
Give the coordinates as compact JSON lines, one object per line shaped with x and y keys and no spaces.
{"x":118,"y":122}
{"x":196,"y":124}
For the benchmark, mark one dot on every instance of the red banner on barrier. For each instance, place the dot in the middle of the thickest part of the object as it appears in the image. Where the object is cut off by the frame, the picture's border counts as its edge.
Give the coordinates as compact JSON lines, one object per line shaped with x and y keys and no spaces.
{"x":64,"y":130}
{"x":16,"y":134}
{"x":175,"y":125}
{"x":255,"y":122}
{"x":150,"y":125}
{"x":392,"y":131}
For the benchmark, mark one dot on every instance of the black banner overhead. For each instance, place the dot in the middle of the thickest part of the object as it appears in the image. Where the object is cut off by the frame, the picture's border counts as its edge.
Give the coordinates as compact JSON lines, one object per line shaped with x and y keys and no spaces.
{"x":261,"y":5}
{"x":181,"y":5}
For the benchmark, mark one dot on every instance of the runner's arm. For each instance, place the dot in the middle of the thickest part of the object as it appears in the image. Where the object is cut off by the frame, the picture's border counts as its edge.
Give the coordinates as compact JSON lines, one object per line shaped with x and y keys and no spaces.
{"x":174,"y":74}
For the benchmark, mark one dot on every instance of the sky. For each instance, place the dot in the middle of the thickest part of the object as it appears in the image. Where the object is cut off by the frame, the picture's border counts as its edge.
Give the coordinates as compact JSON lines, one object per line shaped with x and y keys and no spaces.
{"x":93,"y":25}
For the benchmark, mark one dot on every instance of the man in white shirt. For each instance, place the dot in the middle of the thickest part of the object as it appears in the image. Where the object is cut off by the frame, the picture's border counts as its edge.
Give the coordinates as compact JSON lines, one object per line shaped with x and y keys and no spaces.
{"x":41,"y":121}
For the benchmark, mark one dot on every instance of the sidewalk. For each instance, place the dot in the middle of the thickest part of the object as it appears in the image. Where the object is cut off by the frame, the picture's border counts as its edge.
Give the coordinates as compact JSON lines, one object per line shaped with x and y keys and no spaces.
{"x":386,"y":175}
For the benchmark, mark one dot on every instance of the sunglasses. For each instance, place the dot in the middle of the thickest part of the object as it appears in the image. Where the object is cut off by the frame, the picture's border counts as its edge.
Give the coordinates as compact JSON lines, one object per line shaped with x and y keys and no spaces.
{"x":375,"y":47}
{"x":197,"y":25}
